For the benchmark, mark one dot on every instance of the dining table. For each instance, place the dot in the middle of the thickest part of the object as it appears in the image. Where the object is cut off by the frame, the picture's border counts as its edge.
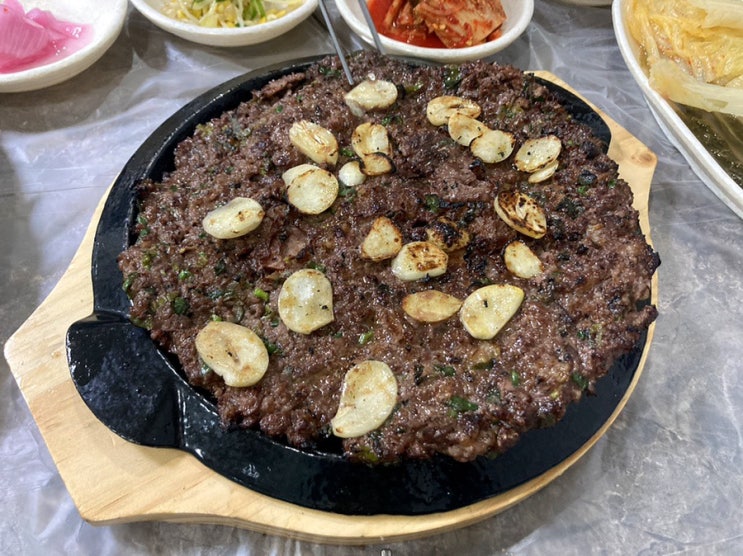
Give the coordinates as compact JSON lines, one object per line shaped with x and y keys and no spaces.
{"x":665,"y":478}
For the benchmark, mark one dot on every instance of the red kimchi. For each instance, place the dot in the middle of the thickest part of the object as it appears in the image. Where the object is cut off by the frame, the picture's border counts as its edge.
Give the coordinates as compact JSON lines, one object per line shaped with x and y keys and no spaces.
{"x":439,"y":23}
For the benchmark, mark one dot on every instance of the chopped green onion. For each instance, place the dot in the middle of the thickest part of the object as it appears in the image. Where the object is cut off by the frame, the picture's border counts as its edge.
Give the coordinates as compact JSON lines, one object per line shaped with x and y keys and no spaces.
{"x":445,"y":370}
{"x":328,"y":71}
{"x":580,"y":380}
{"x":459,"y":404}
{"x":366,"y":337}
{"x":346,"y":191}
{"x":391,"y":119}
{"x":453,"y":77}
{"x":180,"y":306}
{"x":272,"y":348}
{"x":129,"y":281}
{"x":414,"y":88}
{"x":261,"y":294}
{"x":484,"y":365}
{"x":432,"y":202}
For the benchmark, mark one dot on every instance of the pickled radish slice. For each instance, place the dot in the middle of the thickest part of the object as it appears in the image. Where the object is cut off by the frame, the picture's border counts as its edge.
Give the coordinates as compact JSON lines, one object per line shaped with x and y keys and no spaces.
{"x":36,"y":38}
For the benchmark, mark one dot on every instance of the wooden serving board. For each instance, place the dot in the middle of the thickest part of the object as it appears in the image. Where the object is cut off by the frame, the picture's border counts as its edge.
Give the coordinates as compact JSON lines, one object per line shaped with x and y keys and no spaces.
{"x":114,"y":481}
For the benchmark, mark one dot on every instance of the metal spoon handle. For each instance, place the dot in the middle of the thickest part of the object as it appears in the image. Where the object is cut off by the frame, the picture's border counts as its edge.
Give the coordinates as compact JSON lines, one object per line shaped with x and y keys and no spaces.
{"x":336,"y":44}
{"x":372,"y":27}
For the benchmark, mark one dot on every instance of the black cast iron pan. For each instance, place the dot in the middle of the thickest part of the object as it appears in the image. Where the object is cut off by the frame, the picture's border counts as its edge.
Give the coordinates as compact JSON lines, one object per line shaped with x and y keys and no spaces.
{"x":139,"y":393}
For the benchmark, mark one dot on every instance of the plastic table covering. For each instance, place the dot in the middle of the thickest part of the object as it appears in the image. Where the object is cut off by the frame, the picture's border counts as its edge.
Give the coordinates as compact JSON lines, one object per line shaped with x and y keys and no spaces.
{"x":667,"y":477}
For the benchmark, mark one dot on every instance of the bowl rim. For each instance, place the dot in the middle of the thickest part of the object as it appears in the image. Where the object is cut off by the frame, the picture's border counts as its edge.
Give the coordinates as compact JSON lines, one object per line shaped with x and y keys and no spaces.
{"x":189,"y":30}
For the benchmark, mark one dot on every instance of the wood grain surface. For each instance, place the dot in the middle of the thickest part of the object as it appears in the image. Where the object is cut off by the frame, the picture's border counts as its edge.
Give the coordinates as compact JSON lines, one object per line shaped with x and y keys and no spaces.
{"x":114,"y":481}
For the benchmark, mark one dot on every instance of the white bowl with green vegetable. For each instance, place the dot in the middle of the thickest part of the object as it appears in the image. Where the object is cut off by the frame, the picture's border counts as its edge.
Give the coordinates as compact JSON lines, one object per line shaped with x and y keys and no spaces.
{"x":226,"y":22}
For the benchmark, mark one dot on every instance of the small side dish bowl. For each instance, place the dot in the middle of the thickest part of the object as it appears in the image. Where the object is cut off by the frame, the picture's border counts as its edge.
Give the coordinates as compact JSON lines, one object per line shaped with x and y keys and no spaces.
{"x":518,"y":16}
{"x":241,"y":36}
{"x":106,"y":23}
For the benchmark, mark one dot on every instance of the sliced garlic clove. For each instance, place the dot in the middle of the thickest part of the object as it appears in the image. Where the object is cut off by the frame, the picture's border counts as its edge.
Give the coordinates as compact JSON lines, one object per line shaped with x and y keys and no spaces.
{"x":376,"y":164}
{"x":537,"y":153}
{"x":430,"y":306}
{"x":234,"y":352}
{"x":465,"y":129}
{"x":521,"y":261}
{"x":368,"y":396}
{"x":240,"y":216}
{"x":493,"y":146}
{"x":371,"y":142}
{"x":315,"y":142}
{"x":544,"y":173}
{"x":370,"y":138}
{"x":447,"y":235}
{"x":371,"y":95}
{"x":522,"y":213}
{"x":306,"y":301}
{"x":487,"y":310}
{"x":311,"y":191}
{"x":440,"y":109}
{"x":295,"y":171}
{"x":418,"y":260}
{"x":350,"y":174}
{"x":383,"y":241}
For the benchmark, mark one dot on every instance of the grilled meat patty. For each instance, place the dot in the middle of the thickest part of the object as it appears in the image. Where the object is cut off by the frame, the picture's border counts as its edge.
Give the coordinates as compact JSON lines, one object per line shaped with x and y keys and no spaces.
{"x":457,"y":395}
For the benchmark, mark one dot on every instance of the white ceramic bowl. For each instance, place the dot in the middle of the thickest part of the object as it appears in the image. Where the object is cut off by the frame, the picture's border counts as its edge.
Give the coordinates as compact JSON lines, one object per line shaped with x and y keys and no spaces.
{"x":152,"y":10}
{"x":518,"y":14}
{"x":696,"y":154}
{"x":107,"y":24}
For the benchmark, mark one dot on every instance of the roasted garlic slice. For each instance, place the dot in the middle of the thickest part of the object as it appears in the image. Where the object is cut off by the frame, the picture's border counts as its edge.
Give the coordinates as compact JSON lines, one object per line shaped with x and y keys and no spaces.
{"x":544,"y":173}
{"x":376,"y":164}
{"x":383,"y":241}
{"x":440,"y":109}
{"x":372,"y":144}
{"x":238,"y":217}
{"x":430,"y":306}
{"x":295,"y":171}
{"x":310,"y":189}
{"x":419,"y":259}
{"x":306,"y":301}
{"x":368,"y":396}
{"x":234,"y":352}
{"x":487,"y":310}
{"x":522,"y":213}
{"x":447,"y":235}
{"x":521,"y":261}
{"x":464,"y":129}
{"x":493,"y":146}
{"x":537,"y":153}
{"x":371,"y":94}
{"x":350,"y":174}
{"x":370,"y":138}
{"x":315,"y":142}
